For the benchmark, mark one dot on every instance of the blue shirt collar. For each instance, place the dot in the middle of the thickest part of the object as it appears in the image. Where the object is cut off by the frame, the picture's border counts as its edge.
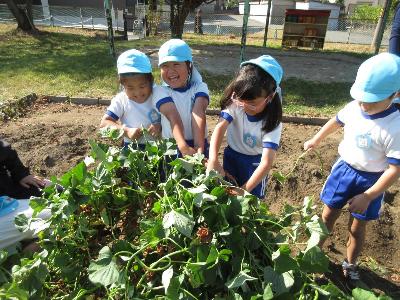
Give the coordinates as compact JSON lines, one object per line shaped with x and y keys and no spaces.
{"x":391,"y":109}
{"x":182,"y":89}
{"x":253,"y":118}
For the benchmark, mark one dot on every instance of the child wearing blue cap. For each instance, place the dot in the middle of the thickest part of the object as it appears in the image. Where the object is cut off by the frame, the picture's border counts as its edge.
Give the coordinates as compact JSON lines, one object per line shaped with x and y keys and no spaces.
{"x":183,"y":111}
{"x":132,"y":109}
{"x":252,"y":115}
{"x":369,"y":160}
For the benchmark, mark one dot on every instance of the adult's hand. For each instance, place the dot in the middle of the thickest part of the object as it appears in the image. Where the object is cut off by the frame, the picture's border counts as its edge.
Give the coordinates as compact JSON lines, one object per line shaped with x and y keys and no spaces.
{"x":32,"y":180}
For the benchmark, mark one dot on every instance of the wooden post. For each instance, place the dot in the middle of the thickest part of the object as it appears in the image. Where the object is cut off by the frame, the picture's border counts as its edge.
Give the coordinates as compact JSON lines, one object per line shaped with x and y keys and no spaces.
{"x":380,"y":27}
{"x":267,"y":23}
{"x":244,"y":29}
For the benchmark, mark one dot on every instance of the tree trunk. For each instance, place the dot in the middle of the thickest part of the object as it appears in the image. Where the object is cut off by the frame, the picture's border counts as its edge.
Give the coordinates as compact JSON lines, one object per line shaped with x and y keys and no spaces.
{"x":179,"y":11}
{"x":23,"y":16}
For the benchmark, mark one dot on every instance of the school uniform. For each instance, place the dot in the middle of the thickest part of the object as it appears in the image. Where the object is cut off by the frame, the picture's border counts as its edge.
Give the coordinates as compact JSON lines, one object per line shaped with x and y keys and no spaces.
{"x":133,"y":114}
{"x":184,"y":100}
{"x":246,"y":141}
{"x":369,"y":145}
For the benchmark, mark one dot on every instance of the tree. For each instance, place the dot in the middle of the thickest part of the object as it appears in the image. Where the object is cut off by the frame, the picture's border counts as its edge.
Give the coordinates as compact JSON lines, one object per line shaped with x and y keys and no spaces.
{"x":24,"y":15}
{"x":179,"y":12}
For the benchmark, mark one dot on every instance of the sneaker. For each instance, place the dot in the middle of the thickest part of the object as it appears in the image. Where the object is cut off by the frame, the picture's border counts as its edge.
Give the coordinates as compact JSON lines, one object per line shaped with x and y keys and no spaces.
{"x":350,"y":271}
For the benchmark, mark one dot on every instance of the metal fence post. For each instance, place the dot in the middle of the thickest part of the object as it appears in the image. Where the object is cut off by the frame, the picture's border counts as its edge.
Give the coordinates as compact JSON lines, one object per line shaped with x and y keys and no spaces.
{"x":244,"y":29}
{"x":91,"y":18}
{"x":348,"y":36}
{"x":51,"y":21}
{"x":80,"y":13}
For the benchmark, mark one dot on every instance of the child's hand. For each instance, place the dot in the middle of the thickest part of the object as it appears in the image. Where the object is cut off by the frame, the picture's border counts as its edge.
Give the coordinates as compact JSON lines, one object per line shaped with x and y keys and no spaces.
{"x":155,"y":130}
{"x":133,"y":133}
{"x":359,"y":204}
{"x":215,"y":165}
{"x":310,"y":144}
{"x":187,"y":150}
{"x":32,"y":180}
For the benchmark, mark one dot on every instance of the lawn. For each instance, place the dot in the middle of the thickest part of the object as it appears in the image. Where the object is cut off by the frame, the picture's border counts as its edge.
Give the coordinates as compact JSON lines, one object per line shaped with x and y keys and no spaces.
{"x":77,"y":63}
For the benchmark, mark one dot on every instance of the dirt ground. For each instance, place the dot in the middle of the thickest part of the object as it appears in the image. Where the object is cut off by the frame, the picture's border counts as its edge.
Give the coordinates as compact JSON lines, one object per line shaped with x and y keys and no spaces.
{"x":52,"y":138}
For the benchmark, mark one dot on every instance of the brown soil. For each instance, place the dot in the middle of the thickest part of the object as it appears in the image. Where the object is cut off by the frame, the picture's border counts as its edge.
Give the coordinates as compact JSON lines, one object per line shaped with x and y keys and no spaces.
{"x":52,"y":138}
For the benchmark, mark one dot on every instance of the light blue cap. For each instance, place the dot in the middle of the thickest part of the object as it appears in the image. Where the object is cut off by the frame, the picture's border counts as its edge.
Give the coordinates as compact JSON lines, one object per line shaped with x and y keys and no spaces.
{"x":377,"y":78}
{"x":174,"y":50}
{"x":133,"y":61}
{"x":269,"y":65}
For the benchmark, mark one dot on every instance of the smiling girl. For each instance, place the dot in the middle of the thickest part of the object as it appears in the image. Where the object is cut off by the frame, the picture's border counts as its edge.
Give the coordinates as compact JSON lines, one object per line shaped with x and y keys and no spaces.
{"x":183,"y":112}
{"x":252,"y":114}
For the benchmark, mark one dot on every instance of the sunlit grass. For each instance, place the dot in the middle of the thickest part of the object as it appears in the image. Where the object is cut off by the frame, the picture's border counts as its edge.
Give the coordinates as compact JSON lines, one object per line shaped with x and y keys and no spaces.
{"x":77,"y":63}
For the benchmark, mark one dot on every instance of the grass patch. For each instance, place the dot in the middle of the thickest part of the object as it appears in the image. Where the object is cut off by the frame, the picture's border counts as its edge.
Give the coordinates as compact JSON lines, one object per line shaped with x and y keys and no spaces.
{"x":300,"y":97}
{"x":77,"y":63}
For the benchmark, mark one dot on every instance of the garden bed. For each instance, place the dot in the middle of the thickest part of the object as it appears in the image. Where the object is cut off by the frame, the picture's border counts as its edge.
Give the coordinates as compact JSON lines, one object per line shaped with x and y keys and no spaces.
{"x":52,"y":138}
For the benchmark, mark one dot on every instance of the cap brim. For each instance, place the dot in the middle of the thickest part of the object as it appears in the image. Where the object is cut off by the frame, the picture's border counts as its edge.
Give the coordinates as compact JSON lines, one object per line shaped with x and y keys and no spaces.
{"x":127,"y":69}
{"x":363,"y":96}
{"x":171,"y":58}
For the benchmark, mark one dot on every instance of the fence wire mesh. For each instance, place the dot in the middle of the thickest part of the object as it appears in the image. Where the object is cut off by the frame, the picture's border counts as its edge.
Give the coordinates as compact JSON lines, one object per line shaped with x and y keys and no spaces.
{"x":339,"y":30}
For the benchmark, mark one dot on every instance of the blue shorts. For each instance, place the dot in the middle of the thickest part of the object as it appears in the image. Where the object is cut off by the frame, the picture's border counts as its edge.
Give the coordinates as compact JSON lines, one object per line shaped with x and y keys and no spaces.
{"x":241,"y":167}
{"x":344,"y":183}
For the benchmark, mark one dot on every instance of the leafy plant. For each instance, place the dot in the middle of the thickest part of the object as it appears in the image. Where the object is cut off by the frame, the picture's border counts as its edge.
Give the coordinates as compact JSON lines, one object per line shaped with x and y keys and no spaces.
{"x":139,"y":225}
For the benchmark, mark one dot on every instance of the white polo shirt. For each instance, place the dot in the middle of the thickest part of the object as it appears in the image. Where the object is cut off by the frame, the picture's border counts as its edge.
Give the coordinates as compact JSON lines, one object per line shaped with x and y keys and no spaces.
{"x":184,"y":99}
{"x":370,"y":142}
{"x":133,"y":114}
{"x":245,"y":134}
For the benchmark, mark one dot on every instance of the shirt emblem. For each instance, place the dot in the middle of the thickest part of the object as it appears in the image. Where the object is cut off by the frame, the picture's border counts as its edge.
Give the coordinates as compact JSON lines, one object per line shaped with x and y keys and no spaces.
{"x":154,"y":116}
{"x":249,"y":140}
{"x":364,"y":140}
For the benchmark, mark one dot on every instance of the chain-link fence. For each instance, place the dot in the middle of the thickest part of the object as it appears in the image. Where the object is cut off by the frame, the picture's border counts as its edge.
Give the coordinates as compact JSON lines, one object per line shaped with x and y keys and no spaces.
{"x":339,"y":30}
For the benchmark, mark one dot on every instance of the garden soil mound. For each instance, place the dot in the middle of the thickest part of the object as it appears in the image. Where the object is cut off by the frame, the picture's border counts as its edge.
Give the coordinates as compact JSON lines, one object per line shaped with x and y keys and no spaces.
{"x":52,"y":138}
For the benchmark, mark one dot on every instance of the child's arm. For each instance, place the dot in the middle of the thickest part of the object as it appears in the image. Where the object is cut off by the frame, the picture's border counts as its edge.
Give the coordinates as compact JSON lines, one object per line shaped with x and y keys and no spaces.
{"x":215,"y":144}
{"x":199,"y":122}
{"x":360,"y":203}
{"x":171,"y":113}
{"x":131,"y":133}
{"x":267,"y":159}
{"x":331,"y":126}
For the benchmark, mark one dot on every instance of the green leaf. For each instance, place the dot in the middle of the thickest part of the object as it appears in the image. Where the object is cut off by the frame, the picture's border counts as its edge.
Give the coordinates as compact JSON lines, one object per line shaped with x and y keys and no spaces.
{"x":239,"y":280}
{"x":318,"y":231}
{"x":104,"y":217}
{"x":279,"y":177}
{"x":174,"y":286}
{"x":198,"y":189}
{"x":182,"y":222}
{"x":200,"y":198}
{"x":315,"y":261}
{"x":280,"y":283}
{"x":166,"y":278}
{"x":104,"y":270}
{"x":361,"y":294}
{"x":22,"y":222}
{"x":37,"y":204}
{"x":3,"y":256}
{"x":268,"y":294}
{"x":13,"y":291}
{"x":98,"y":152}
{"x":283,"y":261}
{"x":212,"y":255}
